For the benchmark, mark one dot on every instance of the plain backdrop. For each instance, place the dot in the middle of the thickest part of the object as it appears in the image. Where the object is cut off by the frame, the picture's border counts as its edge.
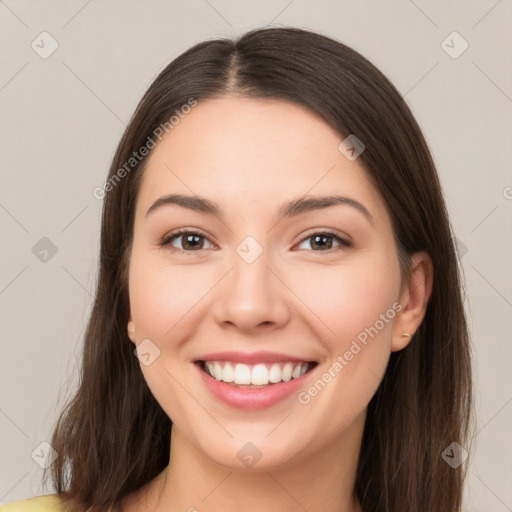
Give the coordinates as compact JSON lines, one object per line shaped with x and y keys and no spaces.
{"x":71,"y":75}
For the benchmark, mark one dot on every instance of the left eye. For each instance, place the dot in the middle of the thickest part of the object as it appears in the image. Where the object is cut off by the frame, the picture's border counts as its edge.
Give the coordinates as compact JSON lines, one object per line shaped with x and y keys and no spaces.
{"x":191,"y":241}
{"x":322,"y":240}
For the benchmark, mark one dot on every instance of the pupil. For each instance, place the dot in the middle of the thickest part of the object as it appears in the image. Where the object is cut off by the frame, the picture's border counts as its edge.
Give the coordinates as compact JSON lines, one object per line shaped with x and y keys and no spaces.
{"x":321,"y":237}
{"x":188,"y":238}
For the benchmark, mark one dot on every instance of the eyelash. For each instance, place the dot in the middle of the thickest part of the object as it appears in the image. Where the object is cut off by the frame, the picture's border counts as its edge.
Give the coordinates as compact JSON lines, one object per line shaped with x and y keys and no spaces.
{"x":166,"y":241}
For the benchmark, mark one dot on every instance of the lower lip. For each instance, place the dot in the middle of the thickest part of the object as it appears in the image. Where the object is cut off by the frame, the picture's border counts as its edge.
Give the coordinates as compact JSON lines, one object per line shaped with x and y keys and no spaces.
{"x":252,"y":399}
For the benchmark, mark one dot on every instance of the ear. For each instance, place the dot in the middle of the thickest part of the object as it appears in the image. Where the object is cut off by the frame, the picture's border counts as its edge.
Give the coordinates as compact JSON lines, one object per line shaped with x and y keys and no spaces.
{"x":131,"y":329}
{"x":414,"y":297}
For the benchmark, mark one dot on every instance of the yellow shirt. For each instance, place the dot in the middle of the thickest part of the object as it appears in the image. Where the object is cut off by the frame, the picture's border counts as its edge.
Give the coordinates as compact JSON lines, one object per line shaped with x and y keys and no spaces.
{"x":46,"y":503}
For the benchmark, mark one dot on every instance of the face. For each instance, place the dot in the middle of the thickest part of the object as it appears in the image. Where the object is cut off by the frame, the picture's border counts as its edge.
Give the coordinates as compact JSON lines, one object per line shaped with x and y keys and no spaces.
{"x":297,"y":305}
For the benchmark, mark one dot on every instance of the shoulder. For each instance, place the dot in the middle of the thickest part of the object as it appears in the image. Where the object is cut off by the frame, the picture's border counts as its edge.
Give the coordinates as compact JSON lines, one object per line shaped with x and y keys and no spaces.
{"x":46,"y":503}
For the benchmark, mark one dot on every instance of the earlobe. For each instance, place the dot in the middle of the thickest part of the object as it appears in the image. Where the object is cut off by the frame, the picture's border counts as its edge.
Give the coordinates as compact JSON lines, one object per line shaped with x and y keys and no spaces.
{"x":414,"y":299}
{"x":131,"y":330}
{"x":399,"y":342}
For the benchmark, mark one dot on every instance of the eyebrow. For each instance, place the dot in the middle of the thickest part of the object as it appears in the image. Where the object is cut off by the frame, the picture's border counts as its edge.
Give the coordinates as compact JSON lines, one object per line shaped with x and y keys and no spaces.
{"x":291,"y":208}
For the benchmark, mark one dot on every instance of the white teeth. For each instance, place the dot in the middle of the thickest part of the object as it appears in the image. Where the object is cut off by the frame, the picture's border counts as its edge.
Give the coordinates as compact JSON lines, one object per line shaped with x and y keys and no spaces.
{"x":242,"y":374}
{"x":286,"y":373}
{"x":228,"y":373}
{"x":296,"y":372}
{"x":260,"y":374}
{"x":217,"y":370}
{"x":274,"y":375}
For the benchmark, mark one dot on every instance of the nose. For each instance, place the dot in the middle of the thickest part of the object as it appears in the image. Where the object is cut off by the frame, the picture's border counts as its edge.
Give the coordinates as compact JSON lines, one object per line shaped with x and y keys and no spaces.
{"x":252,"y":296}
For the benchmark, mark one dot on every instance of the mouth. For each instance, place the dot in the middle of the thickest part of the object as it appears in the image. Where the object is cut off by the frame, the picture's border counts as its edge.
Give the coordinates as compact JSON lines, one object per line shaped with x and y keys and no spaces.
{"x":255,"y":376}
{"x":253,"y":381}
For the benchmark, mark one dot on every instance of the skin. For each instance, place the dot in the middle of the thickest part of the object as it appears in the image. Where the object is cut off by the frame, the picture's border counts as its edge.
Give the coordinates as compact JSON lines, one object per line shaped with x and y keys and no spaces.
{"x":251,"y":156}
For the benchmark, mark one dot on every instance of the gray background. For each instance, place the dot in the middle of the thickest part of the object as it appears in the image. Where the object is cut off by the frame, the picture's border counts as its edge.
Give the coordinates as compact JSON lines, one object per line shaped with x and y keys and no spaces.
{"x":62,"y":117}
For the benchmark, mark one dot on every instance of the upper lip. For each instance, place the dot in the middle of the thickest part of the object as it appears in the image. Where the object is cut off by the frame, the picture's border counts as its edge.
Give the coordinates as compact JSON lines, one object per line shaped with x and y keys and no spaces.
{"x":252,"y":358}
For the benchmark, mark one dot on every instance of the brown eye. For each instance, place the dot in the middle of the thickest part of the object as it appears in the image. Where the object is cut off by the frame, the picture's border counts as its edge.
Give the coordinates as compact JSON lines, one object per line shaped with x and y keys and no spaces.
{"x":323,"y":241}
{"x":190,"y":240}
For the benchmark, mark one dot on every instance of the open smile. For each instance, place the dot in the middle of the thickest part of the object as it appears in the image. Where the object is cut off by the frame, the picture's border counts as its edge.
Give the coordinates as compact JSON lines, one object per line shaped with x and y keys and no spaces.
{"x":253,"y":386}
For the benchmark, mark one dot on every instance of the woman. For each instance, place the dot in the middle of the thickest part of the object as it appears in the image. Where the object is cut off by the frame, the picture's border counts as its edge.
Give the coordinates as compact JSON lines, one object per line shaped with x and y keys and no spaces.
{"x":279,"y":298}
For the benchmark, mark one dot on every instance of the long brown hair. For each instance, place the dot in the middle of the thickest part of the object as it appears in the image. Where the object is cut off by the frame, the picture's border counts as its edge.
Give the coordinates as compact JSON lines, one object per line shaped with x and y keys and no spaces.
{"x":113,"y":437}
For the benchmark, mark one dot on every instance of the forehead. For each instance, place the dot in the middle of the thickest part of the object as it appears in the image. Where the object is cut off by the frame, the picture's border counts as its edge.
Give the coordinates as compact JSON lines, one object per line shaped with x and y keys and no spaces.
{"x":248,"y":153}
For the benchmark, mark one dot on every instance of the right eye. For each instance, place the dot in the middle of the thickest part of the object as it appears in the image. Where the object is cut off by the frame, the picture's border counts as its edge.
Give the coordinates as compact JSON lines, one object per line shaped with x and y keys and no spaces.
{"x":191,"y":240}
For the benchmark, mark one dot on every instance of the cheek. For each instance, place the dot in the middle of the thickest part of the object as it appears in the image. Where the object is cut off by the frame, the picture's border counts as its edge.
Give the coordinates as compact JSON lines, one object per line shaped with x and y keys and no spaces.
{"x":348,"y":300}
{"x":164,"y":298}
{"x":355,"y":307}
{"x":164,"y":304}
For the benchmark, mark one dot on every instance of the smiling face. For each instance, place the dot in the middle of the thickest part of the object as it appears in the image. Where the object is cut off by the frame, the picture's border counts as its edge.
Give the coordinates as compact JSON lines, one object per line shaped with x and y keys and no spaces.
{"x":258,"y":281}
